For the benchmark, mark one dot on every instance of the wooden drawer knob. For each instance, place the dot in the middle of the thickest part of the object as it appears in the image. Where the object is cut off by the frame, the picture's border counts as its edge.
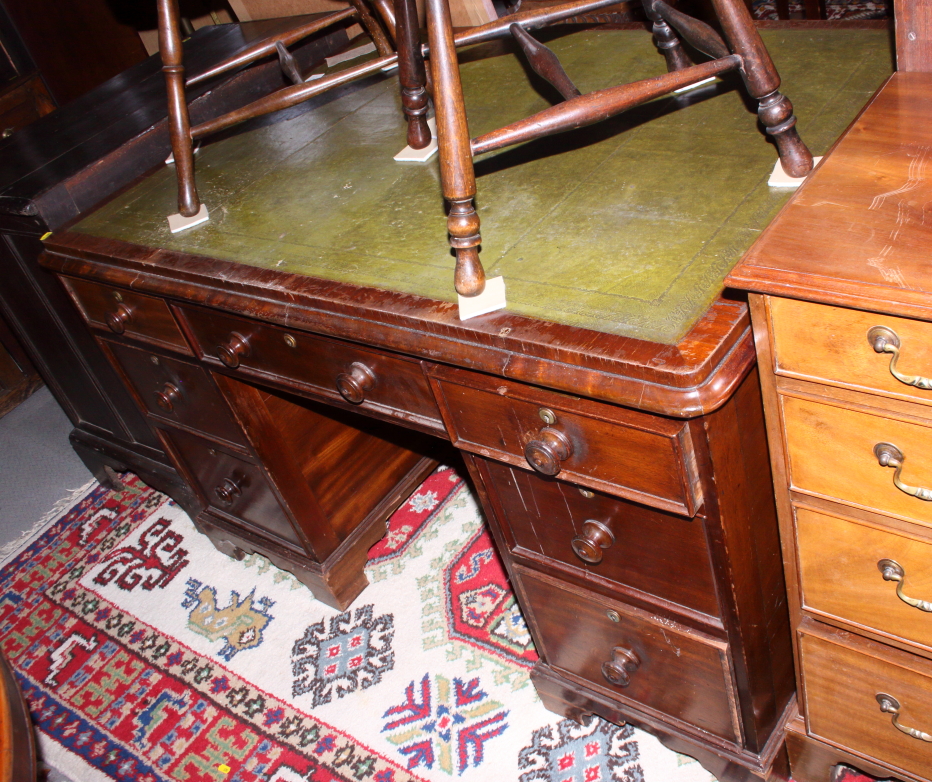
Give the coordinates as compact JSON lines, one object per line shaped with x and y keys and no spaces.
{"x":236,"y":348}
{"x":167,"y":397}
{"x":545,"y":453}
{"x":353,"y":385}
{"x":229,"y":490}
{"x":594,"y":538}
{"x":117,"y":320}
{"x":623,"y":663}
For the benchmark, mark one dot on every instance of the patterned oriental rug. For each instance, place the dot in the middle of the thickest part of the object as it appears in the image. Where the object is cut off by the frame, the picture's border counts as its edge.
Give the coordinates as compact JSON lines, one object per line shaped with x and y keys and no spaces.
{"x":147,"y":655}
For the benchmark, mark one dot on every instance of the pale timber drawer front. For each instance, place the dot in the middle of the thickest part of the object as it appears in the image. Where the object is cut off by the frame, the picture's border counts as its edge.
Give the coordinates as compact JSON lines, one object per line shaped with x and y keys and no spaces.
{"x":865,"y":575}
{"x":870,"y":460}
{"x":853,"y":349}
{"x":862,"y":696}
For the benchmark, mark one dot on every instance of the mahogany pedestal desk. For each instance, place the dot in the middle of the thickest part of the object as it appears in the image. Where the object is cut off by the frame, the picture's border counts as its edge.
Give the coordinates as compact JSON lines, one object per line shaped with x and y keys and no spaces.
{"x":841,"y":308}
{"x":299,"y":354}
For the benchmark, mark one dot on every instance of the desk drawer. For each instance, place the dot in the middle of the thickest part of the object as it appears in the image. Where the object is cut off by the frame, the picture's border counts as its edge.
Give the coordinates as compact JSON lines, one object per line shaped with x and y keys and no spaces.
{"x":178,"y":391}
{"x":842,"y":562}
{"x":831,"y":453}
{"x":134,"y":315}
{"x":635,"y":455}
{"x":653,"y":662}
{"x":843,"y":678}
{"x":830,"y":344}
{"x":233,"y":486}
{"x":392,"y":385}
{"x":649,"y":550}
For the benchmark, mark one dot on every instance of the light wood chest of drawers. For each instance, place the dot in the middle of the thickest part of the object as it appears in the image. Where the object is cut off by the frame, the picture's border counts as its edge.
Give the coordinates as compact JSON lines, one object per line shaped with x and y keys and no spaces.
{"x":841,"y":305}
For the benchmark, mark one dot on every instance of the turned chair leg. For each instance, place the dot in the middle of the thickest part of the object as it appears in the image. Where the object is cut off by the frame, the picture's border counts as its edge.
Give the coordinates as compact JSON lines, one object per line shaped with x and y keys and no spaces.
{"x":412,"y":75}
{"x":178,"y":122}
{"x":666,"y":41}
{"x":457,"y":176}
{"x":762,"y":80}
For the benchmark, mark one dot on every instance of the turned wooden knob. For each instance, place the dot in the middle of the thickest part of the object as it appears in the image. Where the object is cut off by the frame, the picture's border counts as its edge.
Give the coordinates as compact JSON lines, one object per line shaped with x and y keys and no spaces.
{"x":353,"y":385}
{"x":594,"y":538}
{"x":623,"y":663}
{"x":117,"y":320}
{"x":545,"y":453}
{"x":236,"y":348}
{"x":229,"y":490}
{"x":167,"y":397}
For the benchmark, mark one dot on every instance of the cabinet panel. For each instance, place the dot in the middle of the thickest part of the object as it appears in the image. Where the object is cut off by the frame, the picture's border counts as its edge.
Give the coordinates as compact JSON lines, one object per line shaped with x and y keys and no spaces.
{"x":842,"y":564}
{"x":632,"y":655}
{"x":233,"y":486}
{"x":836,"y":345}
{"x":638,"y":456}
{"x":652,"y":551}
{"x":844,"y":684}
{"x":833,"y":453}
{"x":177,"y":390}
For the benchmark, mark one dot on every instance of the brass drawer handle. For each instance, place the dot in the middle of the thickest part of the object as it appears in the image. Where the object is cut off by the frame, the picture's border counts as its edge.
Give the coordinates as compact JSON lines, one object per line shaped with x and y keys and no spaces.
{"x":167,"y":397}
{"x":893,"y":571}
{"x":229,"y":490}
{"x":594,"y":538}
{"x":117,"y":320}
{"x":884,"y":340}
{"x":890,"y":705}
{"x":623,"y":663}
{"x":353,"y":385}
{"x":890,"y":456}
{"x":237,"y":347}
{"x":546,"y":453}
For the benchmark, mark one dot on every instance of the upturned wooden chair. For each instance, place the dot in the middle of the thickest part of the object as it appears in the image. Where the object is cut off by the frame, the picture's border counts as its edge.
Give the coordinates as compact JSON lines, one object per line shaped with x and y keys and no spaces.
{"x":398,"y":24}
{"x":741,"y":50}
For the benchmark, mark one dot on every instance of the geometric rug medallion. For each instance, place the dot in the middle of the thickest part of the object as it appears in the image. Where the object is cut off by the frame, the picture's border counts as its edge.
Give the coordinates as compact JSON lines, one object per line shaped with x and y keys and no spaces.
{"x":147,"y":655}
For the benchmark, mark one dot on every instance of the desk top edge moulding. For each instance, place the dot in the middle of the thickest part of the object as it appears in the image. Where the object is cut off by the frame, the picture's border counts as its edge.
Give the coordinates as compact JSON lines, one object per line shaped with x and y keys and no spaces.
{"x":840,"y":290}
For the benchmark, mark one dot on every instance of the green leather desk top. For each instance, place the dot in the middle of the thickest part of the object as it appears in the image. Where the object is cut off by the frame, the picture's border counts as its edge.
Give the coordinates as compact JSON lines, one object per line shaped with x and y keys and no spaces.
{"x":626,"y":227}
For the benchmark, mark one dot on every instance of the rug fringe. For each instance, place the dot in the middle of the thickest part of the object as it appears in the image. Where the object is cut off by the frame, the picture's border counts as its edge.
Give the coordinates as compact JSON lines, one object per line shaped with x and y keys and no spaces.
{"x":12,"y":549}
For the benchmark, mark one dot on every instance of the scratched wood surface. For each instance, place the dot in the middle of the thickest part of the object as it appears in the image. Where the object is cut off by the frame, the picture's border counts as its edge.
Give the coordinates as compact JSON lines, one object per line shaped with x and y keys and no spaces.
{"x":858,"y":233}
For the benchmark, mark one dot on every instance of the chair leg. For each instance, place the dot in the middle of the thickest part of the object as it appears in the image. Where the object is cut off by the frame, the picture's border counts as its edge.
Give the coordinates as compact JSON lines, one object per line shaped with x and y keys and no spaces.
{"x":667,"y":42}
{"x":178,"y":122}
{"x":457,"y":176}
{"x":762,"y":80}
{"x":411,"y":73}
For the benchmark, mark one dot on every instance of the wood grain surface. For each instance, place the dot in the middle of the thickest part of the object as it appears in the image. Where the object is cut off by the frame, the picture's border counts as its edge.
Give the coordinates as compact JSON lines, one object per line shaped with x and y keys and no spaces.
{"x":840,"y":577}
{"x":830,"y":345}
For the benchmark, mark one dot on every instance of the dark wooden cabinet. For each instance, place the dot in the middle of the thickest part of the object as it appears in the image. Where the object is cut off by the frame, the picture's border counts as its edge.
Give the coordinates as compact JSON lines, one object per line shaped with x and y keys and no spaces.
{"x":64,"y":164}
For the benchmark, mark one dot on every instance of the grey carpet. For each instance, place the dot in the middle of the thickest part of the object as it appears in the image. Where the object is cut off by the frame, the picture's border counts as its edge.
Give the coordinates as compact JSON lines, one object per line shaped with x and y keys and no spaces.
{"x":38,"y":467}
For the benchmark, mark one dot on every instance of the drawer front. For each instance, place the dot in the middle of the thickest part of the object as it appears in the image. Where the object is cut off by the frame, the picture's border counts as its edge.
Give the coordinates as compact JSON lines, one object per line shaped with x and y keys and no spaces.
{"x":843,"y":564}
{"x":649,"y":550}
{"x":653,"y":662}
{"x":831,"y":453}
{"x":842,"y":685}
{"x":177,"y":391}
{"x":234,"y":486}
{"x":135,"y":315}
{"x":369,"y":379}
{"x":836,"y":345}
{"x":635,"y":455}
